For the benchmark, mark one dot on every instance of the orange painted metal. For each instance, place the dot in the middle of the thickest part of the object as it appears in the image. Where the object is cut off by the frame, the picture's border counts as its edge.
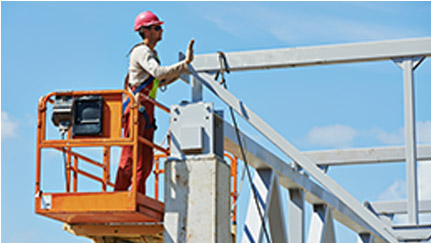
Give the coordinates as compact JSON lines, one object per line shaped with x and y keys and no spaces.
{"x":160,"y":105}
{"x":149,"y":143}
{"x":95,"y":207}
{"x":106,"y":165}
{"x":157,"y":172}
{"x":156,"y":179}
{"x":102,"y":207}
{"x":86,"y":159}
{"x":68,"y":164}
{"x":234,"y":175}
{"x":75,"y":174}
{"x":89,"y":175}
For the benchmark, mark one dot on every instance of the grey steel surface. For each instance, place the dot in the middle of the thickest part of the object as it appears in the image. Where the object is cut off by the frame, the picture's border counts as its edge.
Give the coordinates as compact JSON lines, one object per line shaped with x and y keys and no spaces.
{"x":274,"y":213}
{"x":408,"y":52}
{"x":399,"y":207}
{"x":196,"y":90}
{"x":322,"y":225}
{"x":366,"y":155}
{"x":195,"y":129}
{"x":316,"y":55}
{"x":307,"y":164}
{"x":408,"y":65}
{"x":260,"y":158}
{"x":296,"y":216}
{"x":416,"y":233}
{"x":365,"y":238}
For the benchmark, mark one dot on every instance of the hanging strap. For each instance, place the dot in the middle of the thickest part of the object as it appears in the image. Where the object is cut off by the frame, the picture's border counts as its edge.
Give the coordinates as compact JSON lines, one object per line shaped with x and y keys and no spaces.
{"x":147,"y":119}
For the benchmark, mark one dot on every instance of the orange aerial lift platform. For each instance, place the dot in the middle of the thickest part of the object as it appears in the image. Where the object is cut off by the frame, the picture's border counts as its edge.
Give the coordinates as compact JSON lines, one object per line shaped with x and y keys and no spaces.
{"x":93,"y":119}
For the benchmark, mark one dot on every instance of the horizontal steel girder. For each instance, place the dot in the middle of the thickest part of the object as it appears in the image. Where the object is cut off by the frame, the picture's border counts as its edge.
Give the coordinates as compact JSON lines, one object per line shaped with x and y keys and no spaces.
{"x":399,"y":207}
{"x":366,"y":155}
{"x":315,"y":55}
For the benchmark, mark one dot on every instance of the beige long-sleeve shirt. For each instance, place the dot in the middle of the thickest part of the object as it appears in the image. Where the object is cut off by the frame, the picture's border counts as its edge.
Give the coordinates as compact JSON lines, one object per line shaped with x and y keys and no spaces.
{"x":144,"y":62}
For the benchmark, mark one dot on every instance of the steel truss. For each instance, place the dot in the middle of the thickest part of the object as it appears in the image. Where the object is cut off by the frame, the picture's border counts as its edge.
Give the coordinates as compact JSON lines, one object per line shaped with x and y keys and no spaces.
{"x":330,"y":201}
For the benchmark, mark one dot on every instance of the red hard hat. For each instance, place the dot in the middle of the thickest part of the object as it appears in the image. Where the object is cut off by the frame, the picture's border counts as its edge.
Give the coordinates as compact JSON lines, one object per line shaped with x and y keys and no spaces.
{"x":146,"y":18}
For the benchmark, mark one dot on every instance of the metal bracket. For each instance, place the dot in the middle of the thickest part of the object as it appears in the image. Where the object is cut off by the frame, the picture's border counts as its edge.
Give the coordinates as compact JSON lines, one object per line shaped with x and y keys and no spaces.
{"x":416,"y":61}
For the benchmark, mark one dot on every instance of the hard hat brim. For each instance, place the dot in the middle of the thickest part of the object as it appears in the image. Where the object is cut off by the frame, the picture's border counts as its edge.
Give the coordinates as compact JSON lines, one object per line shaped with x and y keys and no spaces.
{"x":149,"y":24}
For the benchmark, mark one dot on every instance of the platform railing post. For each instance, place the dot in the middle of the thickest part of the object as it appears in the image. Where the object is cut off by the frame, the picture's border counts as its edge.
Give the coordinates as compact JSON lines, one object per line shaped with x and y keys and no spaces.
{"x":134,"y":133}
{"x":39,"y":137}
{"x":75,"y":174}
{"x":68,"y":162}
{"x":106,"y":166}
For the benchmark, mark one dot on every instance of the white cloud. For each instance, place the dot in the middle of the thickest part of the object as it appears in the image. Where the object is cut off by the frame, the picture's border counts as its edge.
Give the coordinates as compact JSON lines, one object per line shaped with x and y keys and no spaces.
{"x":397,"y":191}
{"x":9,"y":126}
{"x":332,"y":135}
{"x":423,"y":134}
{"x":423,"y":131}
{"x":389,"y":138}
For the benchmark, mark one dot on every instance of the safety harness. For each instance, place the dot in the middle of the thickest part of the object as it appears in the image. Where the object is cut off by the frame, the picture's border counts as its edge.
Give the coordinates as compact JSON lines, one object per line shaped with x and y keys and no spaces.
{"x":152,"y":94}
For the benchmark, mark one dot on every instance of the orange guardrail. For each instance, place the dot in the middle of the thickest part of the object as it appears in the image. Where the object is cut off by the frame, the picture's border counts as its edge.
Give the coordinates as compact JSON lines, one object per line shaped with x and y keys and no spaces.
{"x":73,"y":206}
{"x":127,"y":203}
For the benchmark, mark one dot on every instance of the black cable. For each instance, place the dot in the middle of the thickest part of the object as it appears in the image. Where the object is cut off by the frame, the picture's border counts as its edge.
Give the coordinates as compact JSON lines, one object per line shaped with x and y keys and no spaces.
{"x":256,"y":201}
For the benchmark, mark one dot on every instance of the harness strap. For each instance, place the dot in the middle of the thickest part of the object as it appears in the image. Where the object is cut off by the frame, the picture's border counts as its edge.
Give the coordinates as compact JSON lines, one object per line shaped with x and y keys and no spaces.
{"x":147,"y":119}
{"x":138,"y":89}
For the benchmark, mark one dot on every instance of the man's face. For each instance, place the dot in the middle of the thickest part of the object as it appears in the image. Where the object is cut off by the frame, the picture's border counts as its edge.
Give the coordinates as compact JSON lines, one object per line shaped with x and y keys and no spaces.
{"x":155,"y":33}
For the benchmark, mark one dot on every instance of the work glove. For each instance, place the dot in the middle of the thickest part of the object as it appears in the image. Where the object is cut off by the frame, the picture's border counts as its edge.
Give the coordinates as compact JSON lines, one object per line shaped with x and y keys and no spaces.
{"x":189,"y":52}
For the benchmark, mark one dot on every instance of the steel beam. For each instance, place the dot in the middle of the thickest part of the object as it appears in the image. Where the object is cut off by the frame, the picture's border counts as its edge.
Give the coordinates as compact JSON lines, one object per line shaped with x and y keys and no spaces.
{"x":253,"y":230}
{"x":415,"y":233}
{"x":196,"y":90}
{"x":321,"y":225}
{"x":366,"y":155}
{"x":275,"y":212}
{"x":365,"y":238}
{"x":408,"y":64}
{"x":307,"y":164}
{"x":267,"y":189}
{"x":399,"y":207}
{"x":296,"y":216}
{"x":316,"y":55}
{"x":260,"y":158}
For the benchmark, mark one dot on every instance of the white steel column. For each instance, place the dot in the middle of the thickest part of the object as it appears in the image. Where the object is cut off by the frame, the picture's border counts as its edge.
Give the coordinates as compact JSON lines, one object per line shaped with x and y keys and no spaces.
{"x":196,"y":90}
{"x":267,"y":189}
{"x":365,"y":238}
{"x":296,"y":216}
{"x":321,"y":225}
{"x":275,"y":212}
{"x":408,"y":65}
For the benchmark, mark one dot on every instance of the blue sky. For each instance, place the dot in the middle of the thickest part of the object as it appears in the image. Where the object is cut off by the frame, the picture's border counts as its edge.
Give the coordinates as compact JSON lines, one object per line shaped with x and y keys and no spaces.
{"x":49,"y":46}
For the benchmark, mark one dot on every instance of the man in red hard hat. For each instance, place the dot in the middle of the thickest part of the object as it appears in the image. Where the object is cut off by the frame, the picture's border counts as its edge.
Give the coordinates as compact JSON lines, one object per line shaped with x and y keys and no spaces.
{"x":145,"y":76}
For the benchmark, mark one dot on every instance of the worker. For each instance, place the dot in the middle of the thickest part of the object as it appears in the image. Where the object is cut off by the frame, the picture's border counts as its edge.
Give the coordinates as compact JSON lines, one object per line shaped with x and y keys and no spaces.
{"x":145,"y":76}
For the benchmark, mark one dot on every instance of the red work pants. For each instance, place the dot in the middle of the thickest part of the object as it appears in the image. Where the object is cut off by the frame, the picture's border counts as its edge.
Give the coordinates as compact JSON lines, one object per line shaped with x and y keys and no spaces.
{"x":146,"y":127}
